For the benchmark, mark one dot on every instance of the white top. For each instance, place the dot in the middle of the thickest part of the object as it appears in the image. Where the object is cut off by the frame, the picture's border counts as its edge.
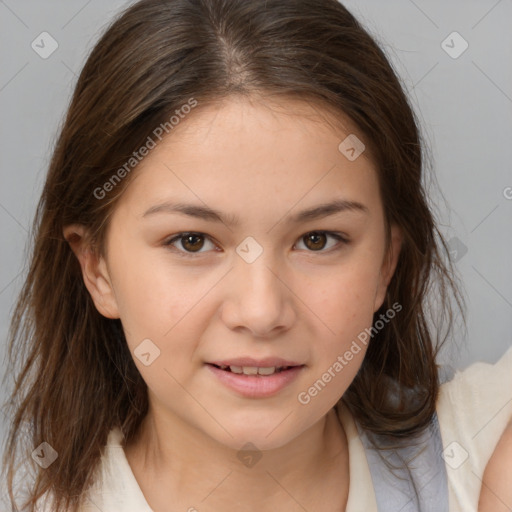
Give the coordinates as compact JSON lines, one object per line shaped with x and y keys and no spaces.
{"x":473,"y":410}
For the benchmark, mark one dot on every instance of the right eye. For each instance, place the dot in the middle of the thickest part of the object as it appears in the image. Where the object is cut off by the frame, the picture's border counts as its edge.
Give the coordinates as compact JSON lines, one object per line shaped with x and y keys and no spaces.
{"x":191,"y":242}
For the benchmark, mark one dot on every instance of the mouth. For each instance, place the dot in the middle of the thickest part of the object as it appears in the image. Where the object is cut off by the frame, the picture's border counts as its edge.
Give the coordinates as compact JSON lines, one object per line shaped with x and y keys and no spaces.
{"x":261,"y":381}
{"x":263,"y":371}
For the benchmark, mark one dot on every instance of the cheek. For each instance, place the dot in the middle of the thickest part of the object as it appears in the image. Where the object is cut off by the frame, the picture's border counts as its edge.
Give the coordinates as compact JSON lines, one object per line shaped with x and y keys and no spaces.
{"x":168,"y":308}
{"x":157,"y":299}
{"x":344,"y":297}
{"x":343,"y":301}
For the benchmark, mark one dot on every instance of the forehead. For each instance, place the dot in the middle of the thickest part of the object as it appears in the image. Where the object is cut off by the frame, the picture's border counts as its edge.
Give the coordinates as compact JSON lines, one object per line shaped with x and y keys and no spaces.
{"x":253,"y":154}
{"x":242,"y":116}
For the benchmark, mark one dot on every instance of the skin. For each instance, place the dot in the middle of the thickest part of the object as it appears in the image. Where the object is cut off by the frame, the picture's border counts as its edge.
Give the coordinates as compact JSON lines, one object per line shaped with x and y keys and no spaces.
{"x":496,"y":491}
{"x":263,"y":163}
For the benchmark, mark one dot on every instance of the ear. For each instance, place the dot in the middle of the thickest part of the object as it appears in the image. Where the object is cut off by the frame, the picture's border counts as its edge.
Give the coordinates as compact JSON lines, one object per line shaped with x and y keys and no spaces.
{"x":94,"y":270}
{"x":388,"y":265}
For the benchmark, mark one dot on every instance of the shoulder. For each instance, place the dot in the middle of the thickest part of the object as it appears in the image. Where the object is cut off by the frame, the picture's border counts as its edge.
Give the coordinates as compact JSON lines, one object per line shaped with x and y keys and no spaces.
{"x":477,"y":400}
{"x":473,"y":410}
{"x":481,"y":375}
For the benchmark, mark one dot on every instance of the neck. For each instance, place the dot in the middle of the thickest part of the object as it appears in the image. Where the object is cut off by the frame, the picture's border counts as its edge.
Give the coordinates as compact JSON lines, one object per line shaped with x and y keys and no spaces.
{"x":191,"y":469}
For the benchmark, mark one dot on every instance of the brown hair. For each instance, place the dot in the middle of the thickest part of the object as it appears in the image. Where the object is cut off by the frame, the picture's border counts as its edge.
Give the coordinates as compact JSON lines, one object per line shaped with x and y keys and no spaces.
{"x":74,"y":375}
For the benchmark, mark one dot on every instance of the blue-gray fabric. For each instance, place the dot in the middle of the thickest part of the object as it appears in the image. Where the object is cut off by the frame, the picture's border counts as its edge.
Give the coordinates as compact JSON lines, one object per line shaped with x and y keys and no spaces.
{"x":408,"y":477}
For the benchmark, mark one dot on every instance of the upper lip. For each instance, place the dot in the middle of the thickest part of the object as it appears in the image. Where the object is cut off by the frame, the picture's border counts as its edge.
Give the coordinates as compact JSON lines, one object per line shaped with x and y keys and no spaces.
{"x":259,"y":363}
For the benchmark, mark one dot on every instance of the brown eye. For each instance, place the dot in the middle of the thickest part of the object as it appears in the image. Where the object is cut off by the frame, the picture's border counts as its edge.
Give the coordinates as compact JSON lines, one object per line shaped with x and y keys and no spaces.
{"x":192,"y":242}
{"x":315,"y":240}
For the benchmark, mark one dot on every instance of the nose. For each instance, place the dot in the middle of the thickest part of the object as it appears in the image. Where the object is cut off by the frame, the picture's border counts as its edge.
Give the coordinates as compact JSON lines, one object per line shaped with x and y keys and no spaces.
{"x":258,"y":299}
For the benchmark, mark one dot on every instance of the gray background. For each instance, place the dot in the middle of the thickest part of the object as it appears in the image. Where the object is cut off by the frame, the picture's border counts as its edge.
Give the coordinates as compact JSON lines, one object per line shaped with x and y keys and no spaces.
{"x":464,"y":104}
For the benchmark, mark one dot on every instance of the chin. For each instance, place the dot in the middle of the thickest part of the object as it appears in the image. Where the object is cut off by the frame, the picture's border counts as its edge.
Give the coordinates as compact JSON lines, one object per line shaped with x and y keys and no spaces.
{"x":264,"y":437}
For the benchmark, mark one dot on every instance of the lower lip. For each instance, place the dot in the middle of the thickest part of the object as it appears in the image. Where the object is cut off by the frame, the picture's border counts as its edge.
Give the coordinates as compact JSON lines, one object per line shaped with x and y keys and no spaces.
{"x":256,"y":386}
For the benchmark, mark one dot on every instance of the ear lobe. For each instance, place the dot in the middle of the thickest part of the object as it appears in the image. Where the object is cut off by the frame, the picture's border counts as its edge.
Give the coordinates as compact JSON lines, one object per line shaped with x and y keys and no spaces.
{"x":94,"y":270}
{"x":389,"y":265}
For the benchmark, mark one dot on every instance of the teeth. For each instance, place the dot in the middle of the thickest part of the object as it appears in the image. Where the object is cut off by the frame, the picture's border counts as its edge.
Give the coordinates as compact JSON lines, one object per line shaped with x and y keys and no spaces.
{"x":267,"y":371}
{"x":250,"y":370}
{"x":253,"y":370}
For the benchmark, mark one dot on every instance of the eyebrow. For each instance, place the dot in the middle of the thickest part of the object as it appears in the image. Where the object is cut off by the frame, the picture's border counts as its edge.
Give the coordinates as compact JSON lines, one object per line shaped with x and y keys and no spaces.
{"x":212,"y":215}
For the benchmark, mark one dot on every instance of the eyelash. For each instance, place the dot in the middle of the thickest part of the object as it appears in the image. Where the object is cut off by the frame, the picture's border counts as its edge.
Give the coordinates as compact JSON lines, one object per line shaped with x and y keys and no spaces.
{"x":182,"y":252}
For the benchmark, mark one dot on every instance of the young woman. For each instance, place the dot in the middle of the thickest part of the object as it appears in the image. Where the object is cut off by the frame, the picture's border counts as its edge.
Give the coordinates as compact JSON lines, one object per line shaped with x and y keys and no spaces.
{"x":227,"y":298}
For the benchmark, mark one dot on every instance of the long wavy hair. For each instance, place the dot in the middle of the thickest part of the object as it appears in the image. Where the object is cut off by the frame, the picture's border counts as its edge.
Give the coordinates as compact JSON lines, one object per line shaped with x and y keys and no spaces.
{"x":74,"y":378}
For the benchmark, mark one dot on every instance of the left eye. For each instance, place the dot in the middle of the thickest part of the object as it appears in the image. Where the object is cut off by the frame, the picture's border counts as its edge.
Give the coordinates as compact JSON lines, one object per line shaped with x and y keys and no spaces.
{"x":315,"y":241}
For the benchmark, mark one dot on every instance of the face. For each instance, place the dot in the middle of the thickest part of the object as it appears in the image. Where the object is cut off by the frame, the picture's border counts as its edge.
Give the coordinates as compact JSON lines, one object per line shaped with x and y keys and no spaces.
{"x":251,"y":273}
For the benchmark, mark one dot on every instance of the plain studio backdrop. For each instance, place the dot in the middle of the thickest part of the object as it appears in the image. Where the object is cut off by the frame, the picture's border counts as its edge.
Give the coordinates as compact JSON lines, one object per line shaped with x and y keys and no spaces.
{"x":455,"y":59}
